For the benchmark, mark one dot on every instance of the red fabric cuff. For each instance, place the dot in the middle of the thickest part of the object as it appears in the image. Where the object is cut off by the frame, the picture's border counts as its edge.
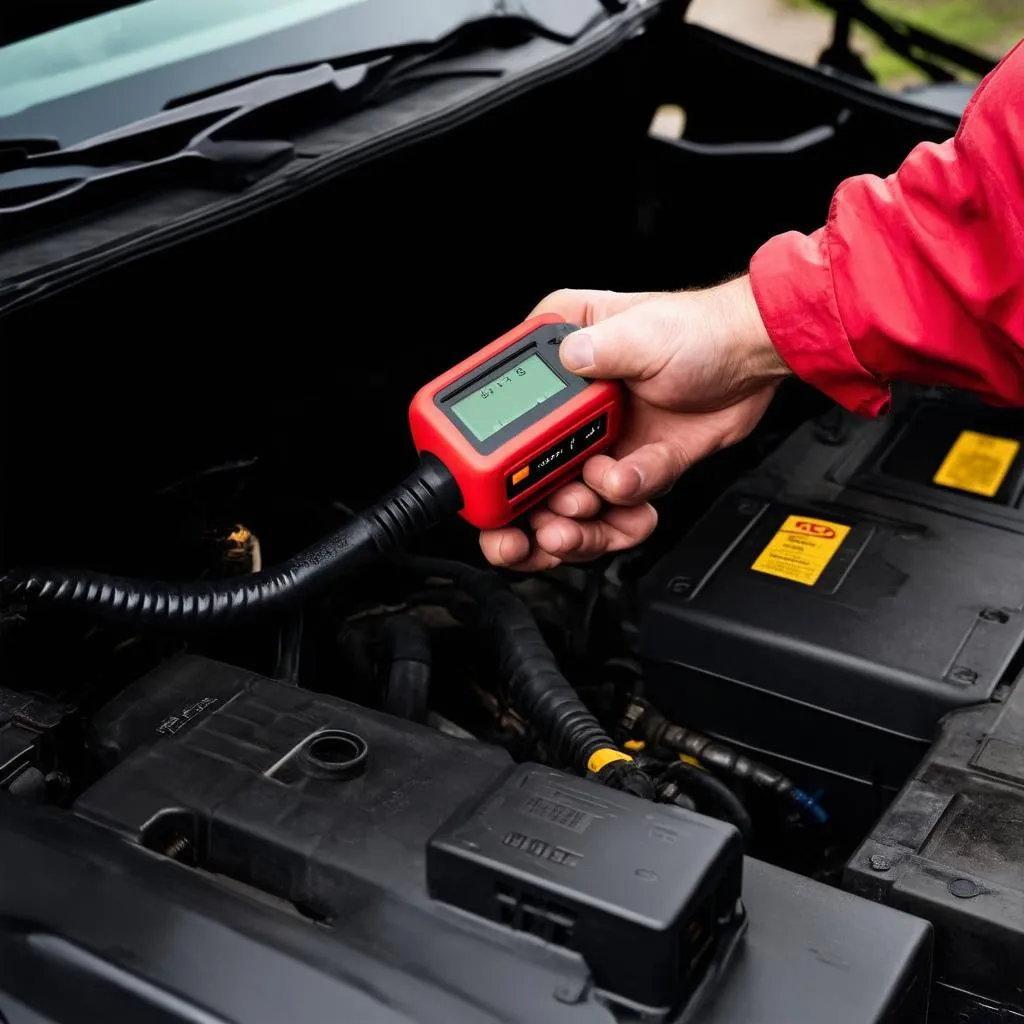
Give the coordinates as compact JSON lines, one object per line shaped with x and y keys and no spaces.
{"x":792,"y":282}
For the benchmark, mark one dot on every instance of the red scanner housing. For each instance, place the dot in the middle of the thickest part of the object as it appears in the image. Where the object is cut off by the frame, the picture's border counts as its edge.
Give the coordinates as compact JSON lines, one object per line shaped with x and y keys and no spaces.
{"x":508,"y":466}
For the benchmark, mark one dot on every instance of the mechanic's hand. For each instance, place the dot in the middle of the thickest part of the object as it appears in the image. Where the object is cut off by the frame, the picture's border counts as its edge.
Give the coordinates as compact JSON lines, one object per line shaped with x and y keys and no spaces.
{"x":700,"y":371}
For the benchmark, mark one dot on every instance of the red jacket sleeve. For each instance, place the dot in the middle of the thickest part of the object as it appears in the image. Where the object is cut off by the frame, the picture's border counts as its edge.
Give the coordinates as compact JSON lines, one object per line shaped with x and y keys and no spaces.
{"x":918,"y":276}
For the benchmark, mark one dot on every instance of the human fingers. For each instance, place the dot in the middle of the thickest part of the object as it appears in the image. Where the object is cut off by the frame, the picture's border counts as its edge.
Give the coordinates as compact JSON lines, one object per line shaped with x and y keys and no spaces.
{"x":639,"y":476}
{"x":575,"y":500}
{"x":586,"y":306}
{"x":512,"y":548}
{"x":504,"y":547}
{"x":633,"y":344}
{"x":576,"y":540}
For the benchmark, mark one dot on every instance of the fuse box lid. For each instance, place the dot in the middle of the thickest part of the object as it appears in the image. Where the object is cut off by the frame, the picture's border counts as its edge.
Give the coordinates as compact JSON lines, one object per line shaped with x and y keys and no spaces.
{"x":649,"y":894}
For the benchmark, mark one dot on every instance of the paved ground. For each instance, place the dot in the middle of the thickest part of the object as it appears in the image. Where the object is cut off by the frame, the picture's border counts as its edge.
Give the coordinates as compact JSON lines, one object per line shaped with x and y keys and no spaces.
{"x":798,"y":33}
{"x":795,"y":32}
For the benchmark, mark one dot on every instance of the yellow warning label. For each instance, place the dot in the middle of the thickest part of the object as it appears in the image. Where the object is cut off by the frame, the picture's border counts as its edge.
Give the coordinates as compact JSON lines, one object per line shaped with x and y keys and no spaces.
{"x":977,"y":463}
{"x":801,"y":549}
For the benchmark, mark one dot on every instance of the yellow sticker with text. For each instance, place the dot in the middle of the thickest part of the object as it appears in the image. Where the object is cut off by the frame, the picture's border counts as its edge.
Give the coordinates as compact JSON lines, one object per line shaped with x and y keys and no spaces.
{"x":801,"y":549}
{"x":977,"y":463}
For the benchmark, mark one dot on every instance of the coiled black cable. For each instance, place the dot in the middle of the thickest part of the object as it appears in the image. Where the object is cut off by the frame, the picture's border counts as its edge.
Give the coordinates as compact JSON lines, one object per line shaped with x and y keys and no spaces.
{"x":424,"y":498}
{"x":536,"y":687}
{"x":711,"y":795}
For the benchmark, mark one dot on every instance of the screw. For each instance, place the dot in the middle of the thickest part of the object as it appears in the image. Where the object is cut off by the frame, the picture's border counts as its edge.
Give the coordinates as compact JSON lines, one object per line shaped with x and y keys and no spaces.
{"x":994,"y":615}
{"x":964,"y":888}
{"x":633,"y":714}
{"x":680,"y":585}
{"x":569,"y":992}
{"x":176,"y":847}
{"x":879,"y":863}
{"x":56,"y":782}
{"x":964,"y":675}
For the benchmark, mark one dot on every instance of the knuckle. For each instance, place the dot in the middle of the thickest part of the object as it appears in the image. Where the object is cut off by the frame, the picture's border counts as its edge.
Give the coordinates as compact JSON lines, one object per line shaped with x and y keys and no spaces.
{"x":679,"y":460}
{"x":560,"y":299}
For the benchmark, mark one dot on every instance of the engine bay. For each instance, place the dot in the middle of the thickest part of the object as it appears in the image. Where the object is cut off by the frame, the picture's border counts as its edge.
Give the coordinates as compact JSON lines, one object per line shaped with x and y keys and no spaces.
{"x":814,"y":659}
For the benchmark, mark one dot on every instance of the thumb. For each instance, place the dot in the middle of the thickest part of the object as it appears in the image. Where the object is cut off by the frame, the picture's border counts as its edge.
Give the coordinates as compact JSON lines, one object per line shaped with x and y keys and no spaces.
{"x":587,"y":306}
{"x":626,"y":346}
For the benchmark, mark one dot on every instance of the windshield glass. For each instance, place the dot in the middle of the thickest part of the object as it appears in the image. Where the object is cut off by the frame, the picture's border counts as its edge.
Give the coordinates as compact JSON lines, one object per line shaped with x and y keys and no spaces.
{"x":147,"y":35}
{"x":82,"y":80}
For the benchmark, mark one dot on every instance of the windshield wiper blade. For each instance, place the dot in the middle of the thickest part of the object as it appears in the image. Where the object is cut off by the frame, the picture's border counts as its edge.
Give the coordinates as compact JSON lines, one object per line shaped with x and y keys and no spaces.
{"x":217,"y":140}
{"x":179,"y":128}
{"x":502,"y":31}
{"x":231,"y":137}
{"x":14,"y":151}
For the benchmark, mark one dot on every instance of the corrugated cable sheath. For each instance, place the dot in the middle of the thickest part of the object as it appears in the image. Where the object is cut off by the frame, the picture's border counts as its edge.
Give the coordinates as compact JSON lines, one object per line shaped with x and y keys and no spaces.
{"x":423,"y":499}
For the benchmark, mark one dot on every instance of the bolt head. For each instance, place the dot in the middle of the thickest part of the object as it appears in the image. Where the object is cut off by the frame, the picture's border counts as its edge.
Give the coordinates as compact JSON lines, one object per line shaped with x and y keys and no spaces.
{"x":680,"y":585}
{"x":879,"y":863}
{"x":994,"y":615}
{"x":964,"y":888}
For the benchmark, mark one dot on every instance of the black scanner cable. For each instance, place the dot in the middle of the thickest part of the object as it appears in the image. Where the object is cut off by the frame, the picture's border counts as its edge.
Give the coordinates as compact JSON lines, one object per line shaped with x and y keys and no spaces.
{"x":423,"y":499}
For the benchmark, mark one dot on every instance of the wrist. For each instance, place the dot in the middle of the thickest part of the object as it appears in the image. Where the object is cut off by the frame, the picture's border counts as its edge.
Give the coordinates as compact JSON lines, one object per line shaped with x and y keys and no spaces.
{"x":740,"y":321}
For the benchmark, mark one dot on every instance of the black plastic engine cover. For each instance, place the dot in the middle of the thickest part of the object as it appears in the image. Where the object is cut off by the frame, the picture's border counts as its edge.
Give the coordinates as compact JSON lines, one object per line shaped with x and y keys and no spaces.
{"x":220,"y":777}
{"x":238,"y":784}
{"x":951,"y":849}
{"x":94,"y":929}
{"x":323,"y":803}
{"x":25,"y":719}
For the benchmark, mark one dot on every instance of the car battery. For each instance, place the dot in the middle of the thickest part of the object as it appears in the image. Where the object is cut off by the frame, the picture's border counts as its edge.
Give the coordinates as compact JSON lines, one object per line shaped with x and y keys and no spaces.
{"x":814,"y":616}
{"x":948,"y":453}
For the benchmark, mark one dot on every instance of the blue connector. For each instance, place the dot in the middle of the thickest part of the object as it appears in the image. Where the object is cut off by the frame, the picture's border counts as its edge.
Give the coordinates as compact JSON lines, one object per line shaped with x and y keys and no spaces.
{"x":810,"y":804}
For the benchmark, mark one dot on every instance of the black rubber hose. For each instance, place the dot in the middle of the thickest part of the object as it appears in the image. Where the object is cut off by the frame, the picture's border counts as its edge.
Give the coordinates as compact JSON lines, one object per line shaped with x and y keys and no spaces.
{"x":711,"y":794}
{"x":408,"y":653}
{"x":427,"y":496}
{"x":660,"y":732}
{"x":289,"y":649}
{"x":535,"y":685}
